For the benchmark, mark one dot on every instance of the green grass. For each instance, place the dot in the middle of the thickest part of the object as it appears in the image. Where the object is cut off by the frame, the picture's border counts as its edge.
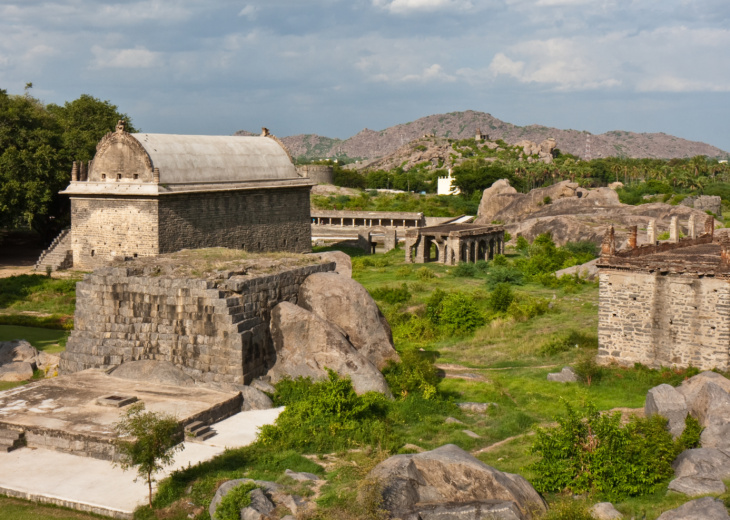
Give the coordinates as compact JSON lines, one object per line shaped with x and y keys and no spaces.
{"x":14,"y":509}
{"x":47,"y":340}
{"x":38,"y":293}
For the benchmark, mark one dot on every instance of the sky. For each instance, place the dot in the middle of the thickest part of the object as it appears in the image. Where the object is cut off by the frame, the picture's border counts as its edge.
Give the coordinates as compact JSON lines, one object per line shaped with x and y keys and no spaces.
{"x":334,"y":67}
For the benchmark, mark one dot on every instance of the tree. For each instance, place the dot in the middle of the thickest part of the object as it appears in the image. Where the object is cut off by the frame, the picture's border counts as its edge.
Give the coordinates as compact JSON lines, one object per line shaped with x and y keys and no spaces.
{"x":154,"y":441}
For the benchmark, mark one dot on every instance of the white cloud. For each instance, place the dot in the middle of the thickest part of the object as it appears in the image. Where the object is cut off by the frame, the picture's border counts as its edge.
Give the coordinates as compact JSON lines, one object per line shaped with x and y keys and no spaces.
{"x":675,"y":84}
{"x":407,"y":6}
{"x":249,"y":12}
{"x":137,"y":58}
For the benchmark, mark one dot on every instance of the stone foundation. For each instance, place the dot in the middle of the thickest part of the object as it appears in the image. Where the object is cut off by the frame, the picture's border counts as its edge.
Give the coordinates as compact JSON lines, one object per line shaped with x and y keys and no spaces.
{"x":216,"y":331}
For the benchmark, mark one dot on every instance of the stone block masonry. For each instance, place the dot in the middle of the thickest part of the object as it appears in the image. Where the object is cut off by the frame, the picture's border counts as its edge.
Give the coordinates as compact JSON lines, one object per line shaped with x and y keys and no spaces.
{"x":216,"y":330}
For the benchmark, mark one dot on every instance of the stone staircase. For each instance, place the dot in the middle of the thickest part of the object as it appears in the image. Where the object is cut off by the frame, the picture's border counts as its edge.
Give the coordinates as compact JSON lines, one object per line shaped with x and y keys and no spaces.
{"x":58,"y":256}
{"x":11,"y":439}
{"x":198,"y":431}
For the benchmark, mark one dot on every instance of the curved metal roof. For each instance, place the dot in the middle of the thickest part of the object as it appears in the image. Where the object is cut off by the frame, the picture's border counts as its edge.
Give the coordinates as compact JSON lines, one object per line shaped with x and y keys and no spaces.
{"x":203,"y":159}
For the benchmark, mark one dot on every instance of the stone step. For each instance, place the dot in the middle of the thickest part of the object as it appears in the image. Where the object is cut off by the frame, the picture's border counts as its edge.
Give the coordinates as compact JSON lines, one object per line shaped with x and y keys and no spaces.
{"x":9,"y":434}
{"x":10,"y":440}
{"x":198,"y":431}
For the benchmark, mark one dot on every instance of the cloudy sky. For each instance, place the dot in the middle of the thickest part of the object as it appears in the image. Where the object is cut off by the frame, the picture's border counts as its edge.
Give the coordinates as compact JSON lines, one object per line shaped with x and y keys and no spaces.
{"x":334,"y":67}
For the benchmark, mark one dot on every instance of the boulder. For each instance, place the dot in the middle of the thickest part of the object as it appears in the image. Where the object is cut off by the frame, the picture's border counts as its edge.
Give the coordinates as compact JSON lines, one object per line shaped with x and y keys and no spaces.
{"x":17,"y":350}
{"x":345,"y":303}
{"x":16,"y":371}
{"x":706,"y":508}
{"x":301,"y":476}
{"x":343,"y":262}
{"x":691,"y":388}
{"x":495,"y":198}
{"x":306,"y":344}
{"x":605,"y":511}
{"x":259,"y":508}
{"x":255,"y":399}
{"x":450,"y":480}
{"x":152,"y":371}
{"x":48,"y":363}
{"x":712,"y":409}
{"x":706,"y":463}
{"x":695,"y":486}
{"x":267,"y":487}
{"x":566,"y":375}
{"x":666,"y":401}
{"x":264,"y":385}
{"x":589,"y":270}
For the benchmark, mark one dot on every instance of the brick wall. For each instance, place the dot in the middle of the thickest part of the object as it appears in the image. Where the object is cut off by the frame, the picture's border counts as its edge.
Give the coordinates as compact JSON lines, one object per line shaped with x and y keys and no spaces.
{"x":106,"y":228}
{"x":216,"y":331}
{"x":663,"y":320}
{"x":254,"y":220}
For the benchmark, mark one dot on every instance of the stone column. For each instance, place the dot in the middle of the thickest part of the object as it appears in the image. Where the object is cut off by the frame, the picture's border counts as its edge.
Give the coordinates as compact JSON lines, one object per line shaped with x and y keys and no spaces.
{"x":74,"y":172}
{"x":633,"y":232}
{"x":608,"y":246}
{"x":725,"y":252}
{"x":390,"y":240}
{"x":674,"y":230}
{"x":651,"y":232}
{"x":692,"y":227}
{"x":710,"y":226}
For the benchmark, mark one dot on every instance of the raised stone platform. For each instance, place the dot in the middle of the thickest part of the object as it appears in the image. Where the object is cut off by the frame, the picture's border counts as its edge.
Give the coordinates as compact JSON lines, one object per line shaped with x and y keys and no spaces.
{"x":65,"y":413}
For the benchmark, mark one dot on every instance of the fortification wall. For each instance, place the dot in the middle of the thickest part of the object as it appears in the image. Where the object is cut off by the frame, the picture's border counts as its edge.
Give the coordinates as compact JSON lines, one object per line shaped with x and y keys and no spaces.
{"x":319,"y":173}
{"x":217,"y":331}
{"x":254,"y":220}
{"x":665,"y":320}
{"x":107,"y":228}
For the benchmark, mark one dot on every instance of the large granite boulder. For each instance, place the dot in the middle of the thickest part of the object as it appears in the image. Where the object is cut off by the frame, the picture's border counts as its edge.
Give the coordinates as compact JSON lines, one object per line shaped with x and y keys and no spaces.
{"x":706,"y":508}
{"x":343,"y":262}
{"x":566,"y":375}
{"x":712,"y":409}
{"x":450,"y":483}
{"x":306,"y":344}
{"x":700,"y":471}
{"x":152,"y":371}
{"x":691,"y":388}
{"x":266,"y":489}
{"x":495,"y":198}
{"x":605,"y":511}
{"x":666,"y":401}
{"x":16,"y":351}
{"x":16,"y":371}
{"x":255,"y":399}
{"x":345,"y":303}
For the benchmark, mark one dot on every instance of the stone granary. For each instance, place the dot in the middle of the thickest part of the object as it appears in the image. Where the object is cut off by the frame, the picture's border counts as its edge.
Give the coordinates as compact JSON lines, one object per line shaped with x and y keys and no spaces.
{"x":666,"y":304}
{"x":454,"y":243}
{"x":148,"y":194}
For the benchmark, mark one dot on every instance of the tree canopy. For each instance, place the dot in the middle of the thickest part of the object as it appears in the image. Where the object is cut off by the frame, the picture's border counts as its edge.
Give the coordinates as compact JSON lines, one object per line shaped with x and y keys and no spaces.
{"x":38,"y":144}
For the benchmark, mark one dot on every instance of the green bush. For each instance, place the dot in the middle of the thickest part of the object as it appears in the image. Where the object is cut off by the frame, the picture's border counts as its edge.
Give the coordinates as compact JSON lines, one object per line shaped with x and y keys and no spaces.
{"x":522,"y":244}
{"x":415,"y":374}
{"x":500,"y":260}
{"x":504,"y":274}
{"x":525,"y":307}
{"x":433,"y":306}
{"x":460,"y":314}
{"x":501,"y":297}
{"x":593,"y":452}
{"x":565,"y":342}
{"x":569,"y":509}
{"x":481,"y":266}
{"x":415,"y":328}
{"x":392,"y":295}
{"x":507,"y":237}
{"x":465,"y":270}
{"x":424,"y":273}
{"x":235,"y":500}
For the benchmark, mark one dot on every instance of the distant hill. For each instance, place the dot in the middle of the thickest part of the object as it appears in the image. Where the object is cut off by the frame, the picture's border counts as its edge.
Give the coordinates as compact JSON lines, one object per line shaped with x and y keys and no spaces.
{"x":371,"y":144}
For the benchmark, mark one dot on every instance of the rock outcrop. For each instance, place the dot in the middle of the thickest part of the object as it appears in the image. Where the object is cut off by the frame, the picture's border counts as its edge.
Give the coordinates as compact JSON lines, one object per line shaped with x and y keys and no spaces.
{"x":150,"y":370}
{"x":345,"y":303}
{"x":306,"y":345}
{"x":700,"y":471}
{"x":450,"y":483}
{"x":666,"y":401}
{"x":566,"y":375}
{"x":706,"y":508}
{"x":19,"y":359}
{"x":605,"y":511}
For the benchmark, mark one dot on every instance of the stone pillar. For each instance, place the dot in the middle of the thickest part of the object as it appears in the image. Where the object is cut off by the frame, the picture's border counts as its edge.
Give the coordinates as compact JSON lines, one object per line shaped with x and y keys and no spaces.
{"x":608,"y":246}
{"x":633,"y":232}
{"x":83,"y":171}
{"x":710,"y":226}
{"x":156,"y":175}
{"x":651,"y":232}
{"x":725,"y":252}
{"x":390,"y":240}
{"x":692,"y":227}
{"x":674,"y":230}
{"x":74,"y":172}
{"x":363,"y":242}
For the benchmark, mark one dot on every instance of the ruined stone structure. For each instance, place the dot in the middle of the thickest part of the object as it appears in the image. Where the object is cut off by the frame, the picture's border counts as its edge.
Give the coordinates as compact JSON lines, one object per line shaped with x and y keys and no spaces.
{"x":148,"y":194}
{"x":317,"y":173}
{"x":666,"y":304}
{"x":215,"y":328}
{"x":336,"y":220}
{"x":454,"y":243}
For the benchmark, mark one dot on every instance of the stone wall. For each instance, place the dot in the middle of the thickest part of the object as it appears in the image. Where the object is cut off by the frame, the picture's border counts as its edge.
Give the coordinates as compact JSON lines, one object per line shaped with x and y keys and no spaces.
{"x":106,"y":228}
{"x":217,"y":331}
{"x":253,"y":220}
{"x":711,"y":203}
{"x":669,"y":319}
{"x":319,"y":173}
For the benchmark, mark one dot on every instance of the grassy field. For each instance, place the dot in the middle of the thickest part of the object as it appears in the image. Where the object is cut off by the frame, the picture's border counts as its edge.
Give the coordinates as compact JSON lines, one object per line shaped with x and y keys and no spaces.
{"x":13,"y":509}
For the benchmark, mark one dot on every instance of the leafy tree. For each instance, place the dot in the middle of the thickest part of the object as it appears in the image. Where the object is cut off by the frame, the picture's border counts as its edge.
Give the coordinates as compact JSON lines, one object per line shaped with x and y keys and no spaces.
{"x":154,"y":441}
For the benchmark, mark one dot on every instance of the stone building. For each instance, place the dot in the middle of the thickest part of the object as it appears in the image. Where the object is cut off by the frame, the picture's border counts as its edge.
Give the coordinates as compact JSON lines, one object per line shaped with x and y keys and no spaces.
{"x":148,"y":194}
{"x":453,"y":243}
{"x":668,"y":303}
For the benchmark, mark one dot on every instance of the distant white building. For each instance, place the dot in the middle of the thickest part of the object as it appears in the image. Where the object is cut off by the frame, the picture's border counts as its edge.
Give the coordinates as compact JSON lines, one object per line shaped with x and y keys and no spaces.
{"x":446,"y":185}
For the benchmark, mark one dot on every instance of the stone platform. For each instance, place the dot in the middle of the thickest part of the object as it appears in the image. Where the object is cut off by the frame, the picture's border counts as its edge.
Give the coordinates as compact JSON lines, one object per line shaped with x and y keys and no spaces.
{"x":76,"y":413}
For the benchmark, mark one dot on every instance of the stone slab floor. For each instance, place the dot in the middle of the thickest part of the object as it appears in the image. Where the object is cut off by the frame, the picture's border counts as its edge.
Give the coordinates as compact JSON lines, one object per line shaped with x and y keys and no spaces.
{"x":95,"y":485}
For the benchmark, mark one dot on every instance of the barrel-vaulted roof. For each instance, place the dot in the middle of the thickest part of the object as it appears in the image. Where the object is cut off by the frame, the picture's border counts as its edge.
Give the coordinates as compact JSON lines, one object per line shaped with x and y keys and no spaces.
{"x":185,"y":159}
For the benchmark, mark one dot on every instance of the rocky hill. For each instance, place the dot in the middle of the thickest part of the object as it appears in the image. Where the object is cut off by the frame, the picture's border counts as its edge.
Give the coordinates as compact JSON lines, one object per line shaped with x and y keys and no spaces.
{"x":371,"y":144}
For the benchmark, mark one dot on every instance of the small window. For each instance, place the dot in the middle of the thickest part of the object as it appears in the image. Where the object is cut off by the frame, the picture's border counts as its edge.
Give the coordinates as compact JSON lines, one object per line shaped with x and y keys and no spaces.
{"x":92,"y":252}
{"x":135,"y":255}
{"x":103,"y":176}
{"x":119,"y":176}
{"x":136,"y":176}
{"x":243,"y":247}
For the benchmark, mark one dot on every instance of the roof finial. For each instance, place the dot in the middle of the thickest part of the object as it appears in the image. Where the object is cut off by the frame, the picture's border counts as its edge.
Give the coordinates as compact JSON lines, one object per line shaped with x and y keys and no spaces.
{"x":265,"y":132}
{"x":121,"y":126}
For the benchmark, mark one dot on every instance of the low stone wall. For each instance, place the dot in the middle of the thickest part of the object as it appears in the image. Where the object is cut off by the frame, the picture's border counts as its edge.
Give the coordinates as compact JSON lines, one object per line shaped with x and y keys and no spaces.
{"x":663,"y":319}
{"x":216,"y":331}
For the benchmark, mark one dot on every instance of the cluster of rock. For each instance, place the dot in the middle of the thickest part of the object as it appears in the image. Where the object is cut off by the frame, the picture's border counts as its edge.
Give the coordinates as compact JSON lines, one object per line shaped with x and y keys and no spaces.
{"x":19,"y":359}
{"x":543,"y":150}
{"x":706,"y":397}
{"x":334,"y":325}
{"x":571,"y":213}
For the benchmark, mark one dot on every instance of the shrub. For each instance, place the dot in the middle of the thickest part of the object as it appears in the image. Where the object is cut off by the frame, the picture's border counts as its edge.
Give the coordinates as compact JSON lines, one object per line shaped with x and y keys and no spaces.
{"x":404,"y":271}
{"x":424,"y":273}
{"x":582,"y":247}
{"x":526,"y":307}
{"x":459,"y":313}
{"x":563,"y":343}
{"x":392,"y":295}
{"x":500,"y":260}
{"x":522,"y":244}
{"x":507,"y":237}
{"x":433,"y":306}
{"x":414,"y":328}
{"x":415,"y":374}
{"x":235,"y":500}
{"x":547,"y":200}
{"x":593,"y":452}
{"x":481,"y":266}
{"x":501,"y":297}
{"x":465,"y":270}
{"x":506,"y":274}
{"x":589,"y":371}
